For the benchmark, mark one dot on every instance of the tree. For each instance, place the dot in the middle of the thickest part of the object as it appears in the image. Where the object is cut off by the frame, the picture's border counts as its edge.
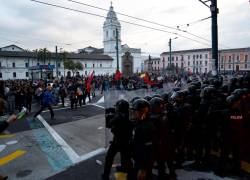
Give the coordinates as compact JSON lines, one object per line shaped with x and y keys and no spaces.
{"x":78,"y":66}
{"x":43,"y":55}
{"x":73,"y":66}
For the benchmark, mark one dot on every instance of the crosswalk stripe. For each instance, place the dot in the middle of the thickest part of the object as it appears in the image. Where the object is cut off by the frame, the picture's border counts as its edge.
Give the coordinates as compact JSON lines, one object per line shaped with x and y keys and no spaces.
{"x":11,"y":157}
{"x":245,"y":166}
{"x":120,"y":176}
{"x":6,"y":136}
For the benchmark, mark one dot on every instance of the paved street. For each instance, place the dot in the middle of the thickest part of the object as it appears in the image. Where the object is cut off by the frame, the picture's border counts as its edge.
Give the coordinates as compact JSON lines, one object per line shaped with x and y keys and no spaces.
{"x":69,"y":147}
{"x":39,"y":148}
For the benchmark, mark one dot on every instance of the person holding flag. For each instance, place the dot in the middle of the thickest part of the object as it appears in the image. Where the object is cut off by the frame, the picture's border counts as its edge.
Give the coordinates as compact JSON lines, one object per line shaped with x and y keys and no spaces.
{"x":118,"y":76}
{"x":146,"y":78}
{"x":88,"y":85}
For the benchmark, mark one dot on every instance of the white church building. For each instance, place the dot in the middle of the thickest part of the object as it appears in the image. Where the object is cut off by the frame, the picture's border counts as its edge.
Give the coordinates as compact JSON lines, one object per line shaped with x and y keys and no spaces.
{"x":17,"y":63}
{"x":130,"y":59}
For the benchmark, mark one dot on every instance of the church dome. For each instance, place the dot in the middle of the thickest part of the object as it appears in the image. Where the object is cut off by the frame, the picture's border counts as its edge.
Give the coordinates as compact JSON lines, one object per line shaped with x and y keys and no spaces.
{"x":111,"y":13}
{"x":111,"y":17}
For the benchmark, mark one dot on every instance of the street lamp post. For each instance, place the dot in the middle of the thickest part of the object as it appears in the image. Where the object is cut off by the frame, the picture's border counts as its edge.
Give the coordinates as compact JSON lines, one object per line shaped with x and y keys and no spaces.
{"x":117,"y":49}
{"x":170,"y":52}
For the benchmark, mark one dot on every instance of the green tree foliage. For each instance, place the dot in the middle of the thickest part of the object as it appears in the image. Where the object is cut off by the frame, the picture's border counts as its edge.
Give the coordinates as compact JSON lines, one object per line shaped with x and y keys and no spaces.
{"x":73,"y":66}
{"x":43,"y":55}
{"x":78,"y":66}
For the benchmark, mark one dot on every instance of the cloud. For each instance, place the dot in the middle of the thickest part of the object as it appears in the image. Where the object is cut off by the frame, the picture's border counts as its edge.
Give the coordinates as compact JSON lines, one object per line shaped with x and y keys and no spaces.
{"x":36,"y":25}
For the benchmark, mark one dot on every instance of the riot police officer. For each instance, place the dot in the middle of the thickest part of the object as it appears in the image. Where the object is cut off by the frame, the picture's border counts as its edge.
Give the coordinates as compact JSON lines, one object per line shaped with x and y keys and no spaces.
{"x":161,"y":137}
{"x":143,"y":140}
{"x":122,"y":128}
{"x":232,"y":133}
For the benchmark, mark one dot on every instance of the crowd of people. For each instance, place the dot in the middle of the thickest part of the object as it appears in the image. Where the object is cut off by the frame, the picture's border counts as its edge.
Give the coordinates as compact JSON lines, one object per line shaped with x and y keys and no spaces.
{"x":188,"y":123}
{"x":206,"y":121}
{"x":22,"y":93}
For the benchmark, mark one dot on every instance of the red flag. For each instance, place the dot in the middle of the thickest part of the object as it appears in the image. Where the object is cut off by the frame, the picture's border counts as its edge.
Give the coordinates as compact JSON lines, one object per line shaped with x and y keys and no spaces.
{"x":89,"y":80}
{"x":118,"y":75}
{"x":147,"y":79}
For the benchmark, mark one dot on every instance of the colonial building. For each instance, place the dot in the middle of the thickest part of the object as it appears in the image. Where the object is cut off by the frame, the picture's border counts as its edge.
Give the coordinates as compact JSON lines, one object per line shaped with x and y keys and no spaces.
{"x":199,"y":60}
{"x":234,"y":60}
{"x":16,"y":63}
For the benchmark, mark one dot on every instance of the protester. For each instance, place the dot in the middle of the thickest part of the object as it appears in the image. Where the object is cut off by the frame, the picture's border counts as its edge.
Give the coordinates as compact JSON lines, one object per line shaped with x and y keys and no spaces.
{"x":47,"y":102}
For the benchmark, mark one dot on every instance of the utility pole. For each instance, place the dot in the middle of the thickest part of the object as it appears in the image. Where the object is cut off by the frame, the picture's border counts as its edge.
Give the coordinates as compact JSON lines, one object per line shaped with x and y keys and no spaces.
{"x":56,"y":63}
{"x":233,"y":66}
{"x":214,"y":12}
{"x":170,"y":55}
{"x":117,"y":50}
{"x":224,"y":66}
{"x":194,"y":65}
{"x":219,"y":64}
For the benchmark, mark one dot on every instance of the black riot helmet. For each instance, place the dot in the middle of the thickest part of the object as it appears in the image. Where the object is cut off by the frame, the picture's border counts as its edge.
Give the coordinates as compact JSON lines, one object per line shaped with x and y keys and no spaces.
{"x":233,"y":80}
{"x":156,"y":95}
{"x":232,"y":99}
{"x":140,"y":104}
{"x":192,"y":89}
{"x":238,"y":92}
{"x":134,"y":99}
{"x":147,"y":98}
{"x":157,"y":105}
{"x":197,"y":84}
{"x":122,"y":106}
{"x":140,"y":109}
{"x":208,"y":91}
{"x":246,"y":91}
{"x":177,"y":96}
{"x":217,"y":83}
{"x":165,"y":97}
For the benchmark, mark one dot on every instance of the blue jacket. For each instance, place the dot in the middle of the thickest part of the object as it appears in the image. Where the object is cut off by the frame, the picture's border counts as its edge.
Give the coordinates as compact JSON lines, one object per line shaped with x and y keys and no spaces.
{"x":47,"y":98}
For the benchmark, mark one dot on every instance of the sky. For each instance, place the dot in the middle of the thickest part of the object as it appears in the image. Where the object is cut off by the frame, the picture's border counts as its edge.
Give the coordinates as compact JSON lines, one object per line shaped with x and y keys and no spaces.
{"x":31,"y":25}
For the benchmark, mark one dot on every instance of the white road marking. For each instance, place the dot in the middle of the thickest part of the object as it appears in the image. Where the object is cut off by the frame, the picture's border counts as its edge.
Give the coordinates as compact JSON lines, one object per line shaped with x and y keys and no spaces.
{"x":68,"y":150}
{"x":12,"y":142}
{"x":100,"y":128}
{"x":101,"y":100}
{"x":91,"y":154}
{"x":74,"y":157}
{"x":2,"y":147}
{"x":98,"y":162}
{"x":98,"y":106}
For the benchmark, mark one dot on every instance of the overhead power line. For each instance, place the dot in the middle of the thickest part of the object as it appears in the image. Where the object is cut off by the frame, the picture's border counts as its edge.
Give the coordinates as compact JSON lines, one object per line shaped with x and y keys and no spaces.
{"x":34,"y":38}
{"x":127,"y":22}
{"x":194,"y":22}
{"x":16,"y":42}
{"x":155,"y":23}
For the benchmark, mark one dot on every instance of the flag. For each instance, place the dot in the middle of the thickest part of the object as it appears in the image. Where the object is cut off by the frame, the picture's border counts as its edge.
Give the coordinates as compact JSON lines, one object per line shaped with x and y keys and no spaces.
{"x":118,"y":75}
{"x":89,"y":80}
{"x":146,"y":78}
